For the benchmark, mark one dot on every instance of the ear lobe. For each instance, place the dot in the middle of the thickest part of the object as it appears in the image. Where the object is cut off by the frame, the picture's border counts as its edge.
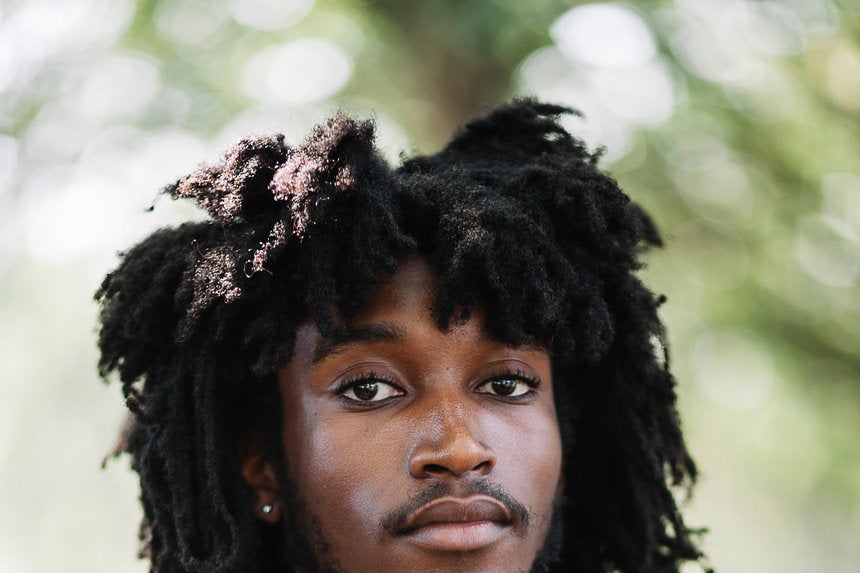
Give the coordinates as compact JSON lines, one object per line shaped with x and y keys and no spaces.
{"x":260,"y":474}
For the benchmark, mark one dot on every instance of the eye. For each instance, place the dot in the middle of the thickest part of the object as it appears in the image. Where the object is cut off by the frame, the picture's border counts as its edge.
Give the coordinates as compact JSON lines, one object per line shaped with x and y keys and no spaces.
{"x":510,"y":385}
{"x":368,"y":389}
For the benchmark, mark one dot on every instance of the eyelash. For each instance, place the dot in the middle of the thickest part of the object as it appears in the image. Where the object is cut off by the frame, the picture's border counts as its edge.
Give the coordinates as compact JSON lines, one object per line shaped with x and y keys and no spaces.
{"x":533,"y":382}
{"x":364,"y":378}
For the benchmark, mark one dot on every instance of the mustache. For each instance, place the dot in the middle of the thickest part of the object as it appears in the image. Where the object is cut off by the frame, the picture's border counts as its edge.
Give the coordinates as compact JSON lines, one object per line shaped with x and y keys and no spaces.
{"x":393,"y":522}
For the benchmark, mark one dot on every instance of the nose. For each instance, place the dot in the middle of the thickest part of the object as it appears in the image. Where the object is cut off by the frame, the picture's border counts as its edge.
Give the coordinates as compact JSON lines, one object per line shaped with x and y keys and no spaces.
{"x":448,"y":447}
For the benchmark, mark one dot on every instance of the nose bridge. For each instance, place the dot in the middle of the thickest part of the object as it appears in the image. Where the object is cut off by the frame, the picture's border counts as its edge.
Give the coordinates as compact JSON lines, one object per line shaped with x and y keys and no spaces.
{"x":450,"y":419}
{"x":449,"y":439}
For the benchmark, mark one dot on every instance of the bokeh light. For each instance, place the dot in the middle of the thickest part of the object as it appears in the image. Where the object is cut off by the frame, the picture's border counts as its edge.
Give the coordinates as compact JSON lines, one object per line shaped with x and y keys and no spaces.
{"x":269,"y":14}
{"x":604,"y":36}
{"x":297,"y":72}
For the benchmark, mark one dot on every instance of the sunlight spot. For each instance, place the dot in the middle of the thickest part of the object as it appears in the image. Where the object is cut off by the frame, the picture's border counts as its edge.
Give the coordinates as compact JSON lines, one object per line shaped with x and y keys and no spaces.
{"x":543,"y":69}
{"x":48,"y":28}
{"x":9,"y":62}
{"x":843,"y":75}
{"x":163,"y":157}
{"x":717,"y":191}
{"x":121,"y":86}
{"x":705,"y":40}
{"x":54,"y":136}
{"x":8,"y":161}
{"x":604,"y":35}
{"x":841,"y":197}
{"x":298,"y":72}
{"x":828,"y":249}
{"x":771,"y":28}
{"x":189,"y":22}
{"x":55,"y":218}
{"x":269,"y":14}
{"x":643,"y":95}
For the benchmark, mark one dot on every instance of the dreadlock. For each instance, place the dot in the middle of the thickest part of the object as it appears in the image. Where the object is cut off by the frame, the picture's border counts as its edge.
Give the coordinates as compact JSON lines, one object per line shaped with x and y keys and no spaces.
{"x":516,"y":219}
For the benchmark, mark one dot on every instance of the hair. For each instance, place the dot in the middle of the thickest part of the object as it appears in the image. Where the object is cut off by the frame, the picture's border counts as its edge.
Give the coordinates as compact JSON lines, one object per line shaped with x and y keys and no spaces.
{"x":515,"y":218}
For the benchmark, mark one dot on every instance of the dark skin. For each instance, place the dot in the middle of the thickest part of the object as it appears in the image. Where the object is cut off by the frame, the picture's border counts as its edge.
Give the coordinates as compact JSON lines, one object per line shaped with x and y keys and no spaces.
{"x":415,"y":449}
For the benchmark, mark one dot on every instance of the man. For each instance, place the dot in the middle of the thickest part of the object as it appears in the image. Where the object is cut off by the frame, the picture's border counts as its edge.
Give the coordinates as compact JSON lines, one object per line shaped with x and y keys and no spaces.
{"x":449,"y":366}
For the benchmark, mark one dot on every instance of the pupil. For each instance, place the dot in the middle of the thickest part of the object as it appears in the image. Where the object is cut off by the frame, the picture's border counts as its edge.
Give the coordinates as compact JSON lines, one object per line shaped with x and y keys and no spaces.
{"x":365,"y":390}
{"x":504,"y":387}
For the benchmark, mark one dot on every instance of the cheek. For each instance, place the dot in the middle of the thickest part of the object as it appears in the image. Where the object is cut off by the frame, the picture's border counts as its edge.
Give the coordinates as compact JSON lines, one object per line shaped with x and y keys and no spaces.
{"x":343,"y":471}
{"x":529,"y":454}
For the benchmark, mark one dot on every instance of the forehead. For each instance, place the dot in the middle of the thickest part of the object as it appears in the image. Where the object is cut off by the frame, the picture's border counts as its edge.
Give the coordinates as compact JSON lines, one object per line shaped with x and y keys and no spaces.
{"x":399,"y":310}
{"x":393,"y":310}
{"x":407,"y":292}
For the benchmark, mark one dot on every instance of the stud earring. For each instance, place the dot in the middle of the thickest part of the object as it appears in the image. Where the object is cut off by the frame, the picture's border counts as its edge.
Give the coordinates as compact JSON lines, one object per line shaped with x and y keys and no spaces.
{"x":268,"y":508}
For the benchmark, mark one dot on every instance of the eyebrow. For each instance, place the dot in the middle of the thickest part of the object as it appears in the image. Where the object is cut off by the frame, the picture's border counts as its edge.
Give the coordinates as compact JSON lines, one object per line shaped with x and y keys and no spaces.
{"x":343,"y":336}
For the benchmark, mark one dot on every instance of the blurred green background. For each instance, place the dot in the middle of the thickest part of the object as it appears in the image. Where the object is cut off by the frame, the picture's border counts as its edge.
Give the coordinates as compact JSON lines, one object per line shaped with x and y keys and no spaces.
{"x":736,"y":122}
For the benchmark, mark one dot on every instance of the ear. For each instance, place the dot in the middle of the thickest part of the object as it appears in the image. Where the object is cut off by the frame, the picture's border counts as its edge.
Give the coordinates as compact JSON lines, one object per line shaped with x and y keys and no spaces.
{"x":260,"y":474}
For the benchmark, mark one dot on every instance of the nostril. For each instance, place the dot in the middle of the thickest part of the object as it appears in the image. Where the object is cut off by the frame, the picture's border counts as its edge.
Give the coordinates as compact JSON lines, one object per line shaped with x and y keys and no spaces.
{"x":435,"y":469}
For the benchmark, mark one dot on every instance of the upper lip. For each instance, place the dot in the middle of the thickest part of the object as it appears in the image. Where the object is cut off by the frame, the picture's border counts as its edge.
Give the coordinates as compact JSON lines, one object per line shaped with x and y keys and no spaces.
{"x":457,"y":510}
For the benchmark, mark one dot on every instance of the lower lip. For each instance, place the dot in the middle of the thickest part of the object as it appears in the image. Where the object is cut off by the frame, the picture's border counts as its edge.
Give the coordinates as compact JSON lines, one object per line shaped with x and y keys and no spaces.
{"x":468,"y":536}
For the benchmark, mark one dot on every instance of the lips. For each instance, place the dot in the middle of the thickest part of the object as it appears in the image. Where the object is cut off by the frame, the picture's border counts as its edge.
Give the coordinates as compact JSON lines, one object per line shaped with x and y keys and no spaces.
{"x":457,"y":524}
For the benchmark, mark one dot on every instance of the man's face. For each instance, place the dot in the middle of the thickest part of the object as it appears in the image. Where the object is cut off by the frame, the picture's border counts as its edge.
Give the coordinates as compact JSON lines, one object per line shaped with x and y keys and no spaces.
{"x":413,"y":449}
